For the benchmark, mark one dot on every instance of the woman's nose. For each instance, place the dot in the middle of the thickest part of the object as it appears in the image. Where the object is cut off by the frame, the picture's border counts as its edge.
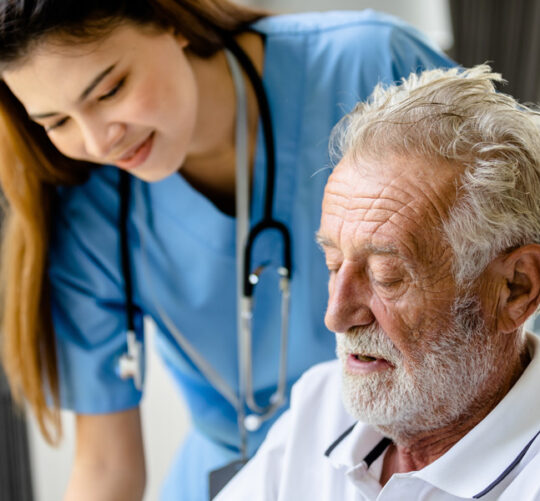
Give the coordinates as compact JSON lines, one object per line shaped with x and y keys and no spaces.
{"x":100,"y":139}
{"x":348,"y":301}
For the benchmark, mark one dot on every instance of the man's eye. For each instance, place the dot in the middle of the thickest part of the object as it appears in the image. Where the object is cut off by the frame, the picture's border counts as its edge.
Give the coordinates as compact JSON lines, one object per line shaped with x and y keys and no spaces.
{"x":389,"y":283}
{"x":113,"y":91}
{"x":57,"y":124}
{"x":332,"y":267}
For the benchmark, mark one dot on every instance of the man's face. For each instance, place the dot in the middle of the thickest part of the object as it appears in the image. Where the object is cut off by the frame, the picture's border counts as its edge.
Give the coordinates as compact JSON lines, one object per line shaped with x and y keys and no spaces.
{"x":412,"y":351}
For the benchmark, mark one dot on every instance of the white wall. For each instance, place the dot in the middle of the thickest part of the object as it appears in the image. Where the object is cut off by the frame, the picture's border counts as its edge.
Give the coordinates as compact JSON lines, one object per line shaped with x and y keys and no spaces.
{"x":165,"y":419}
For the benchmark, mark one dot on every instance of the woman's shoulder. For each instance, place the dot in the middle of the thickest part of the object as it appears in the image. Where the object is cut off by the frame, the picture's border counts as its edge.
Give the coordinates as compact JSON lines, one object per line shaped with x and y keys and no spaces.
{"x":89,"y":211}
{"x":317,"y":23}
{"x":100,"y":189}
{"x":346,"y":44}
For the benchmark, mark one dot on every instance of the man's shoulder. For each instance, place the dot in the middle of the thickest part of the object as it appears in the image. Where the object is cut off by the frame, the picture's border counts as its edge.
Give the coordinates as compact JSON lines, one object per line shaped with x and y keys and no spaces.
{"x":320,"y":377}
{"x":316,"y":399}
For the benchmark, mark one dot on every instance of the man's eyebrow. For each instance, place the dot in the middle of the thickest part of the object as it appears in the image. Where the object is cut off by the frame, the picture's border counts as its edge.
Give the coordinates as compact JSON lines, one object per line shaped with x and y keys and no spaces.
{"x":386,"y":250}
{"x":322,"y":241}
{"x":84,"y":94}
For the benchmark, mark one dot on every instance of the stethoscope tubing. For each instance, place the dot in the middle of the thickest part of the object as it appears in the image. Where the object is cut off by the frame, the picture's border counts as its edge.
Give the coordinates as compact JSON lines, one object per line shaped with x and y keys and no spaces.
{"x":246,"y":395}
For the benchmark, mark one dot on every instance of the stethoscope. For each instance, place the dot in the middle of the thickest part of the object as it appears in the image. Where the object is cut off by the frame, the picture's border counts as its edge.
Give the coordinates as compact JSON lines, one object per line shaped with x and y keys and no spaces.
{"x":131,"y":363}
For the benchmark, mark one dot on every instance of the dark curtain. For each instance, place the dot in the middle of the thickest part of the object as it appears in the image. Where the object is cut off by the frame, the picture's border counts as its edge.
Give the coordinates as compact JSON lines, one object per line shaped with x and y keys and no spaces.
{"x":504,"y":33}
{"x":15,"y":477}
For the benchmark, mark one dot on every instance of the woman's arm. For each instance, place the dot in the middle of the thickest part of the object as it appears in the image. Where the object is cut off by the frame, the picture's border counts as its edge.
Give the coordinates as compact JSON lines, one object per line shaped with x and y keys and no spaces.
{"x":109,"y":458}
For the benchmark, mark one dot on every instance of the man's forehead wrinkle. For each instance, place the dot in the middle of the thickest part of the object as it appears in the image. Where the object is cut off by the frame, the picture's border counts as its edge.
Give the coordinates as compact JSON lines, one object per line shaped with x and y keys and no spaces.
{"x":426,"y":206}
{"x":401,"y":205}
{"x":366,"y":224}
{"x":408,"y":246}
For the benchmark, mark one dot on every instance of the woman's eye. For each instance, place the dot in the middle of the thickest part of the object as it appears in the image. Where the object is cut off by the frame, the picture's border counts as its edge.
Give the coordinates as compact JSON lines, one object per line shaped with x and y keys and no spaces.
{"x":57,"y":124}
{"x":113,"y":91}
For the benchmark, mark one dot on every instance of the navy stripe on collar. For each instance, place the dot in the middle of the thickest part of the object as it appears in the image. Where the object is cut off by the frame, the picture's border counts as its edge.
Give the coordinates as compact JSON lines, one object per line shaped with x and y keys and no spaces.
{"x":503,"y":475}
{"x":338,"y":440}
{"x":371,"y":456}
{"x":377,"y":451}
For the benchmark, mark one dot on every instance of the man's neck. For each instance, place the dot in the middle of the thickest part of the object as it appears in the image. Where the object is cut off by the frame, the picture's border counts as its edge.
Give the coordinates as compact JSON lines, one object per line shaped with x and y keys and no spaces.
{"x":414,"y":452}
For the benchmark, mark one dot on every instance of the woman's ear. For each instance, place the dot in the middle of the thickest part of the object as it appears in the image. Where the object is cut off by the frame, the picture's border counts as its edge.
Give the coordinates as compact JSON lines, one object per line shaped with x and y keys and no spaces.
{"x":182,"y":41}
{"x":520,"y":294}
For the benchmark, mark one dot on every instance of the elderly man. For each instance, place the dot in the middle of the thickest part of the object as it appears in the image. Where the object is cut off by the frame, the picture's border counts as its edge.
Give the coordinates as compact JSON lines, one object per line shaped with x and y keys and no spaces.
{"x":431,"y":231}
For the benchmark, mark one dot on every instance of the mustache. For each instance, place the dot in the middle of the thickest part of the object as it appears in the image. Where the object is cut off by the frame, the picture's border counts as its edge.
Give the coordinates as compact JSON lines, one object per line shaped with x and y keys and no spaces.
{"x":371,"y":341}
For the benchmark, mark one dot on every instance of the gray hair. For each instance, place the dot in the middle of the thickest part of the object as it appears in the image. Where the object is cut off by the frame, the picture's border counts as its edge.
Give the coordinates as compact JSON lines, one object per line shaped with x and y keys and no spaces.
{"x":457,"y":117}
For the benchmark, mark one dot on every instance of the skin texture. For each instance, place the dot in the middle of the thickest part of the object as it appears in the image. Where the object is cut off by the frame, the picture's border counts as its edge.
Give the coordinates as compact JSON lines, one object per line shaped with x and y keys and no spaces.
{"x":390,"y":268}
{"x":157,"y":87}
{"x":167,"y":92}
{"x":109,"y":458}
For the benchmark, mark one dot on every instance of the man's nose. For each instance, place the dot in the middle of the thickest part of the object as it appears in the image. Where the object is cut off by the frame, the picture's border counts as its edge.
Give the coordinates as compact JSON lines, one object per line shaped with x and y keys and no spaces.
{"x":348,"y":302}
{"x":100,"y":139}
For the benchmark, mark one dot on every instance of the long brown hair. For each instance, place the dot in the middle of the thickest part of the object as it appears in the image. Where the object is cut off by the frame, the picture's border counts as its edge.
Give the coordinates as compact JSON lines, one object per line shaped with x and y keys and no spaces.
{"x":31,"y":168}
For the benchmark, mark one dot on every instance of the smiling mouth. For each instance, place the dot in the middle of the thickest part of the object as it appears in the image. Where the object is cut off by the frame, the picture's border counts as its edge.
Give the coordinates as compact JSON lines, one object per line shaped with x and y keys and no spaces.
{"x":133,"y":151}
{"x":137,"y":154}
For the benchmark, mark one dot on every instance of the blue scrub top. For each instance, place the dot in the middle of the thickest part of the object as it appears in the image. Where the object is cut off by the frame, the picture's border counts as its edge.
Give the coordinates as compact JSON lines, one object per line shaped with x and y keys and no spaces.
{"x":316,"y":67}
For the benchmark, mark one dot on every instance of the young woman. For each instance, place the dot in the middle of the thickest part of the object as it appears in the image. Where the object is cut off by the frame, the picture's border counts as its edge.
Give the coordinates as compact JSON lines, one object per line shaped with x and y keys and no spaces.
{"x":93,"y":88}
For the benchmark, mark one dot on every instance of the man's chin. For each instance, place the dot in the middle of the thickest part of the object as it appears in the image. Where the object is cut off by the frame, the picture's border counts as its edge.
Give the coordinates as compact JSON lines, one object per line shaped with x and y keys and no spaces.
{"x":389,"y":405}
{"x":397,"y":425}
{"x":396,"y":411}
{"x":370,"y":398}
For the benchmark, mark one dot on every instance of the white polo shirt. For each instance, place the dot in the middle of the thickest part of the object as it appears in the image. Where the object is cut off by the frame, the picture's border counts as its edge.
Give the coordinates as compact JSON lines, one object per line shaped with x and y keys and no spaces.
{"x":315,"y":451}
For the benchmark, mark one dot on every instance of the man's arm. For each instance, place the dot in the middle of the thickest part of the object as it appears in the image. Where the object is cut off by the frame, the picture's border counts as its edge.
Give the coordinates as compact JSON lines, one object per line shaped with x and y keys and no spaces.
{"x":109,"y":458}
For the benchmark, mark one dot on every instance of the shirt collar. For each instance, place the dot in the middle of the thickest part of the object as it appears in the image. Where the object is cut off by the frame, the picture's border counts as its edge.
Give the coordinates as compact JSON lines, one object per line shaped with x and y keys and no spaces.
{"x":482,"y":458}
{"x":358,"y":444}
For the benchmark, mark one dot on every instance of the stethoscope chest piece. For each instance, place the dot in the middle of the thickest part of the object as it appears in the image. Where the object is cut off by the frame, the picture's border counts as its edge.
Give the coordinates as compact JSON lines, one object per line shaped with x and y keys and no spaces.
{"x":131,"y":363}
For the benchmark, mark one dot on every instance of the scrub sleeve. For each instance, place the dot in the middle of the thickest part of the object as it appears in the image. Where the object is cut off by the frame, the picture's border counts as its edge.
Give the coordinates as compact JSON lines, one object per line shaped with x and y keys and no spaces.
{"x":317,"y":66}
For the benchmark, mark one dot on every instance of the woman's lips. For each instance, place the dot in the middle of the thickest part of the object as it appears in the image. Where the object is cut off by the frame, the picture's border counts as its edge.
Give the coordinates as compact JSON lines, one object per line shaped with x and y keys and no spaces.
{"x":365,"y":364}
{"x":137,"y":155}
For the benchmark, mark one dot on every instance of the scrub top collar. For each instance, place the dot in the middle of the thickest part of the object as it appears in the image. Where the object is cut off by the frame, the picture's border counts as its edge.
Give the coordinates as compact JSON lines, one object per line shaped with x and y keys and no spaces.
{"x":480,"y":461}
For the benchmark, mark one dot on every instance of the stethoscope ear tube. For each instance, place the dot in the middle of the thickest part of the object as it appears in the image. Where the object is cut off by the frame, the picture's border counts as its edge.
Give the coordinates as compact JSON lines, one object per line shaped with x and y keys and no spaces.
{"x":260,"y":413}
{"x":246,"y":240}
{"x":125,"y":192}
{"x":130,"y":364}
{"x":266,"y":120}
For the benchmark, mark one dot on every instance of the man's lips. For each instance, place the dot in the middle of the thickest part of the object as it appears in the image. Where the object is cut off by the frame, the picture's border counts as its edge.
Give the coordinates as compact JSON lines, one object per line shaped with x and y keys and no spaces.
{"x":365,"y":364}
{"x":136,"y":155}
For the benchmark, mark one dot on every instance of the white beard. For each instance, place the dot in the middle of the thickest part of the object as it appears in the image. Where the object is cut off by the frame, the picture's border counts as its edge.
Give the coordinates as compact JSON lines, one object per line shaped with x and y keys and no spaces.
{"x":440,"y":386}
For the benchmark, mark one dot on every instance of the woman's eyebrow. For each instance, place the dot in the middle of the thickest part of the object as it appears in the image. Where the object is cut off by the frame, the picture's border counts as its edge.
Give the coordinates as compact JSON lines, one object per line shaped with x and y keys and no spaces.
{"x":95,"y":82}
{"x":84,"y":94}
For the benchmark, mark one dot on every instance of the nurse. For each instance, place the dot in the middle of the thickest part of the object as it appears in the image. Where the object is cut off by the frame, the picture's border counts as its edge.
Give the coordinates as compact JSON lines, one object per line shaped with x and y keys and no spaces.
{"x":90,"y":88}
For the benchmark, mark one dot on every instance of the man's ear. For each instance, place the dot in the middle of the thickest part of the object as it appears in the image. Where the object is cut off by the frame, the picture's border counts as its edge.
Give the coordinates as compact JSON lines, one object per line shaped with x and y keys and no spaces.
{"x":520,"y":294}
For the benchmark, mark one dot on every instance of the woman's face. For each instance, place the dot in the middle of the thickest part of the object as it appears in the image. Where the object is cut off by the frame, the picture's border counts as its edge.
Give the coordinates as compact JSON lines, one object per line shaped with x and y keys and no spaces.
{"x":129,"y":99}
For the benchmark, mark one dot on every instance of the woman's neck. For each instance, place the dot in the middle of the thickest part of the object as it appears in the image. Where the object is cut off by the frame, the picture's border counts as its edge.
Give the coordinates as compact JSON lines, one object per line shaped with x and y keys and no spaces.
{"x":210,"y":164}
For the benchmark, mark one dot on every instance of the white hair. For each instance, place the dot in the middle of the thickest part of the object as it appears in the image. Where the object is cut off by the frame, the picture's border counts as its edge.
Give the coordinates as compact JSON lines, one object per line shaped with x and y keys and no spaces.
{"x":458,"y":117}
